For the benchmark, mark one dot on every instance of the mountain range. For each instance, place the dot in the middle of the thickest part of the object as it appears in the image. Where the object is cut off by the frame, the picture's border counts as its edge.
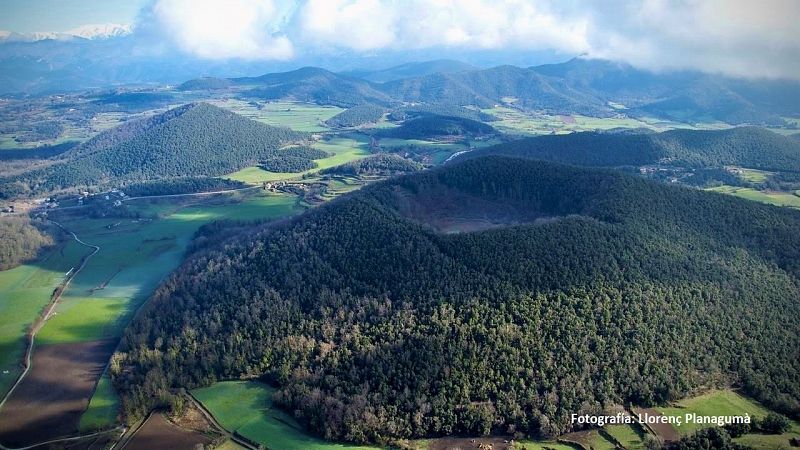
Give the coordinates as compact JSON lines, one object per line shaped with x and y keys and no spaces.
{"x":584,"y":86}
{"x":90,"y":32}
{"x":580,"y":86}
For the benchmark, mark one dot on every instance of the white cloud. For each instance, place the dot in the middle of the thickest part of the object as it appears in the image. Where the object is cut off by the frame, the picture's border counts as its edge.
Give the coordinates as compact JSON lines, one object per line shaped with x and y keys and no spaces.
{"x":735,"y":37}
{"x":224,"y":29}
{"x":414,"y":24}
{"x":358,"y":25}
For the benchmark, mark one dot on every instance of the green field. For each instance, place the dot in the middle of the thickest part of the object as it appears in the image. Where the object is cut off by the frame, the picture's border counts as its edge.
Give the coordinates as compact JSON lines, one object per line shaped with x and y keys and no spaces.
{"x":229,"y":445}
{"x":102,"y":412}
{"x":24,"y":292}
{"x":772,"y":198}
{"x":135,"y":255}
{"x":342,"y":150}
{"x":753,"y":175}
{"x":519,"y":122}
{"x":516,"y":121}
{"x":728,"y":403}
{"x":631,"y":438}
{"x":713,"y":403}
{"x":297,"y":116}
{"x":81,"y":319}
{"x":246,"y":407}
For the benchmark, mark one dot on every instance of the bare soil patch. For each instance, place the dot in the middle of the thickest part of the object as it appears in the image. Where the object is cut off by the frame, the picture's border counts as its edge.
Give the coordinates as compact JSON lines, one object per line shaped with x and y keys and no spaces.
{"x":49,"y":402}
{"x":582,"y":438}
{"x":664,"y":431}
{"x":158,"y":432}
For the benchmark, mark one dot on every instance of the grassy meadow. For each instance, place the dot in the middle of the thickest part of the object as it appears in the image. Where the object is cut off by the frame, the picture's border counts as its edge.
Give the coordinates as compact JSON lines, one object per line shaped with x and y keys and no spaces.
{"x":629,"y":436}
{"x":103,"y":407}
{"x":297,"y":116}
{"x":246,"y":407}
{"x":770,"y":197}
{"x":341,"y":150}
{"x":729,"y":403}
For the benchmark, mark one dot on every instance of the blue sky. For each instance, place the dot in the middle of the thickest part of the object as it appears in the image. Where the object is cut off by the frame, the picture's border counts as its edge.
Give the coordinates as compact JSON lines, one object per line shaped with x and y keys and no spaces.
{"x":63,"y":15}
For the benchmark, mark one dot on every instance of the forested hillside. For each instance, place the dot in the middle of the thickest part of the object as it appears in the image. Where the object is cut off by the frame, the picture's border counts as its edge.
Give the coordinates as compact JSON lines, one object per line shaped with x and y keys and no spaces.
{"x":180,"y":185}
{"x":192,"y":140}
{"x":487,"y":87}
{"x":680,"y":94}
{"x":380,"y":316}
{"x":412,"y":69}
{"x":205,"y":84}
{"x":315,"y":85}
{"x":586,"y":86}
{"x":376,"y":164}
{"x":407,"y":112}
{"x":428,"y":126}
{"x":751,"y":147}
{"x":21,"y":240}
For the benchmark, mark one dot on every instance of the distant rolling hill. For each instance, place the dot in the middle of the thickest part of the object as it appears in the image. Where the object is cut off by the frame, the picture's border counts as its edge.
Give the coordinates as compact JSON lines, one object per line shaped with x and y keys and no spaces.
{"x":315,"y":85}
{"x":412,"y":69}
{"x":750,"y":147}
{"x":492,"y":295}
{"x":682,"y":94}
{"x":580,"y":86}
{"x":487,"y":87}
{"x":205,"y":84}
{"x":356,"y":116}
{"x":583,"y":86}
{"x":426,"y":126}
{"x":192,"y":140}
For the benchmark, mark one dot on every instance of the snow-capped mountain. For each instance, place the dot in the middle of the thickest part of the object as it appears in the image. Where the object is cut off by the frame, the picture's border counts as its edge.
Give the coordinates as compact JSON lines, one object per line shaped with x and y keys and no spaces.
{"x":101,"y":31}
{"x":90,"y":31}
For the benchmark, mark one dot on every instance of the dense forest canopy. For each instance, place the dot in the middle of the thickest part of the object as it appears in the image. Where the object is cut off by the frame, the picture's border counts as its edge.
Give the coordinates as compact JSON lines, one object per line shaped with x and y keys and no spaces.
{"x":750,"y":147}
{"x":287,"y":164}
{"x":21,"y":240}
{"x":192,"y":140}
{"x":180,"y":185}
{"x":315,"y":85}
{"x":205,"y":83}
{"x":427,"y":126}
{"x":303,"y":151}
{"x":381,"y":163}
{"x":407,"y":112}
{"x":378,"y":318}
